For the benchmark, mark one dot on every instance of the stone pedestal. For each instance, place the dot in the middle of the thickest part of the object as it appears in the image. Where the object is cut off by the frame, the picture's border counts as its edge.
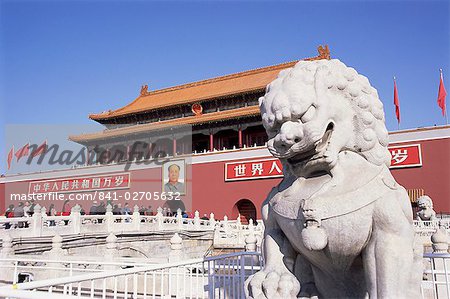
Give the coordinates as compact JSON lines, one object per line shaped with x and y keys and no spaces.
{"x":440,"y":240}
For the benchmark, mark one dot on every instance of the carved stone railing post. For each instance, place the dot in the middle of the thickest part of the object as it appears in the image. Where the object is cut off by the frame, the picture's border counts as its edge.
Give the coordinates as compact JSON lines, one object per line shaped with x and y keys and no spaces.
{"x":36,"y":222}
{"x":43,"y":211}
{"x":226,"y":227}
{"x":197,"y":220}
{"x":212,"y":221}
{"x":111,"y":246}
{"x":6,"y":252}
{"x":7,"y":246}
{"x":238,"y":221}
{"x":240,"y":237}
{"x":179,"y":219}
{"x":136,"y":218}
{"x":109,"y":218}
{"x":440,"y":240}
{"x":159,"y":218}
{"x":250,"y":240}
{"x":75,"y":219}
{"x":176,"y":248}
{"x":56,"y":254}
{"x":111,"y":251}
{"x":57,"y":241}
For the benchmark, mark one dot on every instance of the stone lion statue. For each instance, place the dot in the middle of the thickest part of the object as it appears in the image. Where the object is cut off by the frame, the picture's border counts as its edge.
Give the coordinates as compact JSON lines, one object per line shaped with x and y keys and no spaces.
{"x":338,"y":225}
{"x":426,"y":212}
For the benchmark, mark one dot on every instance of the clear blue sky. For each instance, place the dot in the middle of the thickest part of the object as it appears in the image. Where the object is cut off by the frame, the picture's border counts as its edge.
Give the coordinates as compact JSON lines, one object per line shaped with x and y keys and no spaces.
{"x":62,"y":60}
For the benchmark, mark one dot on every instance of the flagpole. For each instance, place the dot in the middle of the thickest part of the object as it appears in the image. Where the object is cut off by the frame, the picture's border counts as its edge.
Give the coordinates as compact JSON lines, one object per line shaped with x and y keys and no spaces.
{"x":445,"y":99}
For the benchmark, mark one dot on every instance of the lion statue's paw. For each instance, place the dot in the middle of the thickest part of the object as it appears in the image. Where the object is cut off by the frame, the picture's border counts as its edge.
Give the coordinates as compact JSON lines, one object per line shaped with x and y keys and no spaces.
{"x":272,"y":285}
{"x":309,"y":291}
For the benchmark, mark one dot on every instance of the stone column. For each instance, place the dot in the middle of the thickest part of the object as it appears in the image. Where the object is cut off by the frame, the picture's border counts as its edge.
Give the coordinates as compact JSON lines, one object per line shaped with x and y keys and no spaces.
{"x":111,"y":252}
{"x":212,"y":221}
{"x":56,"y":254}
{"x":226,"y":227}
{"x":136,"y":218}
{"x":179,"y":219}
{"x":57,"y":250}
{"x":176,"y":248}
{"x":75,"y":218}
{"x":197,"y":220}
{"x":250,"y":240}
{"x":109,"y":219}
{"x":111,"y":246}
{"x":6,"y":252}
{"x":238,"y":220}
{"x":36,"y":222}
{"x":159,"y":218}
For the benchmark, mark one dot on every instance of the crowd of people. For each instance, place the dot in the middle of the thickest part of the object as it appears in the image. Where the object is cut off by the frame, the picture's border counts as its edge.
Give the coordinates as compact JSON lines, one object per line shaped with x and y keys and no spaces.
{"x":26,"y":209}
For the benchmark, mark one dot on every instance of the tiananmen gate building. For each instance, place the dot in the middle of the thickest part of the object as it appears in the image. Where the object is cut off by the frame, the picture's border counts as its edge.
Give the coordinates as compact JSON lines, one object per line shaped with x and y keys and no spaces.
{"x":212,"y":131}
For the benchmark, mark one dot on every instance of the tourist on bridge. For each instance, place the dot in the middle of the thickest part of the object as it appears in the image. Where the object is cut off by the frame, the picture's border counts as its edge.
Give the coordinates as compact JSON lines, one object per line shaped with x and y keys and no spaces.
{"x":9,"y":213}
{"x":93,"y":209}
{"x":117,"y":210}
{"x":52,"y":212}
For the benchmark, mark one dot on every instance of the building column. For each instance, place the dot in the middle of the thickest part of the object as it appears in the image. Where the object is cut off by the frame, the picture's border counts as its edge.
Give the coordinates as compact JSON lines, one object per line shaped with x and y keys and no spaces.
{"x":240,"y":136}
{"x":108,"y":156}
{"x":149,"y":150}
{"x":127,"y":158}
{"x":211,"y":141}
{"x":174,"y":146}
{"x":87,"y":155}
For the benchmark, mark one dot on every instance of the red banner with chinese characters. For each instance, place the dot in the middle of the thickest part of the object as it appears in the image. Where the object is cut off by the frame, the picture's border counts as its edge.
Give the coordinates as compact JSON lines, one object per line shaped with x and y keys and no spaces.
{"x":406,"y":156}
{"x":255,"y":169}
{"x":80,"y":184}
{"x":402,"y":156}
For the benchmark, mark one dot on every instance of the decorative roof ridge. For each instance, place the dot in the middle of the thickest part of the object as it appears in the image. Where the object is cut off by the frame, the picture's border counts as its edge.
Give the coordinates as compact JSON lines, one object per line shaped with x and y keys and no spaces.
{"x":323,"y":53}
{"x":144,"y":88}
{"x":223,"y":77}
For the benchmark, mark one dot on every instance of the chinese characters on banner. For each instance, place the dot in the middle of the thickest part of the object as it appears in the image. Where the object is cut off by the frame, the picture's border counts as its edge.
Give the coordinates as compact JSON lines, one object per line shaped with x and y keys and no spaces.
{"x":256,"y":169}
{"x":406,"y":156}
{"x":402,"y":156}
{"x":77,"y":184}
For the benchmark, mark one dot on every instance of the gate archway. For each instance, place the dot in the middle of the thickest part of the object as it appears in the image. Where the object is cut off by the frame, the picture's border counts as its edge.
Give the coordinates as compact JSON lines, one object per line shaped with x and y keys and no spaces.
{"x":246,"y":209}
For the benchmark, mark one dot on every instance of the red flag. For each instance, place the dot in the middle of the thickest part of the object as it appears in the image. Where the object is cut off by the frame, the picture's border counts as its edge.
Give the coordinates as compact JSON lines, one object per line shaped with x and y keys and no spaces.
{"x":24,"y":151}
{"x":41,"y":149}
{"x":396,"y":102}
{"x":441,"y":95}
{"x":10,"y":157}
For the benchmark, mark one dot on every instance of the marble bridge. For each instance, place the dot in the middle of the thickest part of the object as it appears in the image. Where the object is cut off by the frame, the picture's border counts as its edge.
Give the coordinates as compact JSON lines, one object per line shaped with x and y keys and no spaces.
{"x":136,"y":256}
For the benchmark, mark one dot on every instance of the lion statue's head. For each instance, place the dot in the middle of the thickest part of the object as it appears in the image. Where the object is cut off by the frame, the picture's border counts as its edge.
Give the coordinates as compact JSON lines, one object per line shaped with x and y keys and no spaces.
{"x":317,"y":109}
{"x":424,"y":202}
